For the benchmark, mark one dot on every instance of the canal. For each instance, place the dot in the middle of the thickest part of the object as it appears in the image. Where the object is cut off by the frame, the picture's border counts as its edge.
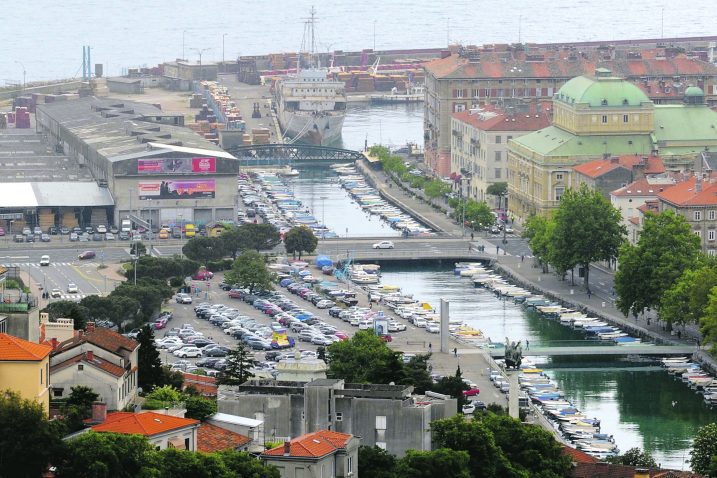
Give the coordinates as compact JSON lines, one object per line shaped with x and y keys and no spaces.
{"x":640,"y":404}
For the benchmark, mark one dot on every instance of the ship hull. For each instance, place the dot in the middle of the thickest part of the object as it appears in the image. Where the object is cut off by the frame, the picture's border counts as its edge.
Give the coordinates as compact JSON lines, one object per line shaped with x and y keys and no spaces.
{"x":314,"y":129}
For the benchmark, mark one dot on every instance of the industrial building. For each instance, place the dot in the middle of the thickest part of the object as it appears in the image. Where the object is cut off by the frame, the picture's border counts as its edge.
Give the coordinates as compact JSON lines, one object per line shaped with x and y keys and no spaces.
{"x":387,"y":416}
{"x":150,"y":167}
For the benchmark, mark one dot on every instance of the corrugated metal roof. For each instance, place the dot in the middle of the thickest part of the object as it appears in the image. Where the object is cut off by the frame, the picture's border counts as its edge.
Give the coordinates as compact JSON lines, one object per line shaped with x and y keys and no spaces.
{"x":53,"y":194}
{"x":17,"y":195}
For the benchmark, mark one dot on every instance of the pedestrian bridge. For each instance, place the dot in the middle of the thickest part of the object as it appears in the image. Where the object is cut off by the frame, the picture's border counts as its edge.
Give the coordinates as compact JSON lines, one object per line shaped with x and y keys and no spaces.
{"x":279,"y":153}
{"x":642,"y":349}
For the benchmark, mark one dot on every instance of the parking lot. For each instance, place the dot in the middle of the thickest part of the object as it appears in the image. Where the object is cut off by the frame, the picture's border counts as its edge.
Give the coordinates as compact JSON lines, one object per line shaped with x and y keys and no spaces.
{"x":412,"y":340}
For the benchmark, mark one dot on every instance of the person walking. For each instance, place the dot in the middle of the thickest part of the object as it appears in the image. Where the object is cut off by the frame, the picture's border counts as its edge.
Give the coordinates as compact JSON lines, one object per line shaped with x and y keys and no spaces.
{"x":472,"y":236}
{"x":455,"y":352}
{"x":589,"y":293}
{"x":430,"y":347}
{"x":527,"y":344}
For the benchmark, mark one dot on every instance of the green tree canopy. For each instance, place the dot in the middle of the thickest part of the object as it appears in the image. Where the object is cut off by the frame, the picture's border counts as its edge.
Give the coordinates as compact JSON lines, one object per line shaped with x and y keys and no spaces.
{"x":116,"y":308}
{"x":430,"y":464}
{"x":300,"y":239}
{"x":162,"y":267}
{"x":82,"y":397}
{"x":250,"y":236}
{"x":587,"y":229}
{"x":497,"y":189}
{"x":685,"y":301}
{"x":67,"y":309}
{"x":149,"y":365}
{"x":478,"y":214}
{"x":634,"y":457}
{"x":249,"y":270}
{"x":204,"y":249}
{"x":704,"y":449}
{"x":376,"y":462}
{"x":666,"y":248}
{"x":28,"y":442}
{"x":436,"y":188}
{"x":166,"y":394}
{"x":138,"y":249}
{"x":365,"y":358}
{"x":149,"y":293}
{"x":105,"y":455}
{"x":708,"y":322}
{"x":239,"y":364}
{"x":454,"y":386}
{"x":199,"y":408}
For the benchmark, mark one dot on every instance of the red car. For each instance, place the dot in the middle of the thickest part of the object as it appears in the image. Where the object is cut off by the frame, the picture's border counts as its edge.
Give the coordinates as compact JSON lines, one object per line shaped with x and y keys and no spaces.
{"x":87,"y":255}
{"x":471,"y":393}
{"x":203,"y":274}
{"x":386,"y":338}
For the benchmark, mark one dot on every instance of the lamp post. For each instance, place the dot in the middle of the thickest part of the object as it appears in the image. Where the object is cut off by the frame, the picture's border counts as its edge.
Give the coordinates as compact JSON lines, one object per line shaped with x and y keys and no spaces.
{"x":374,"y":36}
{"x":24,"y":72}
{"x":323,"y":215}
{"x":200,"y":52}
{"x":183,"y":56}
{"x":504,"y":201}
{"x":223,"y":36}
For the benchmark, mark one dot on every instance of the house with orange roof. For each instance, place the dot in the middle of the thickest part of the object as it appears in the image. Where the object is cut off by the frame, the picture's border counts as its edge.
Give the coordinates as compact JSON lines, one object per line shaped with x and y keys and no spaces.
{"x":161,"y":429}
{"x":696,"y":200}
{"x":631,"y":199}
{"x":98,"y":358}
{"x":319,"y":454}
{"x":479,"y":139}
{"x":25,"y":368}
{"x":211,"y":438}
{"x":607,"y":175}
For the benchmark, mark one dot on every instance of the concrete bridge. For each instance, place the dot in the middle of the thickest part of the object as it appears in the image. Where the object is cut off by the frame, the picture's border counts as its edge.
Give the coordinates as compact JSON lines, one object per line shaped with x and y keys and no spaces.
{"x":642,"y":349}
{"x":415,"y":249}
{"x":280,"y":153}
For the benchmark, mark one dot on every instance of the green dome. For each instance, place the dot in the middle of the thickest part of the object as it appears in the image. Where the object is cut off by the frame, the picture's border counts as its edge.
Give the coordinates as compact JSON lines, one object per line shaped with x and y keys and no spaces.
{"x":694,"y":91}
{"x":600,"y":92}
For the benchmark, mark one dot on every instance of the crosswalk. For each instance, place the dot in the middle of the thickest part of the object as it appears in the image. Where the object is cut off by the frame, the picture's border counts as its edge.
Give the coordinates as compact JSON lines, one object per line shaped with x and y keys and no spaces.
{"x":75,"y":297}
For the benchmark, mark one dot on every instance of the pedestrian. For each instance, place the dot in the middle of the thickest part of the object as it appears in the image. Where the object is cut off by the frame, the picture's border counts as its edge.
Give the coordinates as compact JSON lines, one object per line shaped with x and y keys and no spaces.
{"x":589,"y":293}
{"x":522,"y":257}
{"x":430,"y":347}
{"x":472,"y":236}
{"x":455,"y":351}
{"x":497,"y":250}
{"x":370,"y":304}
{"x":527,"y":344}
{"x":469,"y":246}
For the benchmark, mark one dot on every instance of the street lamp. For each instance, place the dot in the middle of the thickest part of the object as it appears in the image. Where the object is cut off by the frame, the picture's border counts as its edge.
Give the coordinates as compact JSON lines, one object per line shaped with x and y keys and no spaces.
{"x":200,"y":52}
{"x":24,"y":72}
{"x":323,"y":215}
{"x":374,"y":36}
{"x":223,"y":36}
{"x":183,"y":56}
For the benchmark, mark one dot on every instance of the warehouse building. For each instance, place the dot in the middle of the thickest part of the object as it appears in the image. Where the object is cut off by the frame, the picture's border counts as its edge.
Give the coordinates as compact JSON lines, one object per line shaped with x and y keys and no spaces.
{"x":156,"y":171}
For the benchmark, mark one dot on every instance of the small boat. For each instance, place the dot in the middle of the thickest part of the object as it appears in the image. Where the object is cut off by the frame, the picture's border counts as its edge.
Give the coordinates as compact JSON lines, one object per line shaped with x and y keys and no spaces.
{"x":289,"y":173}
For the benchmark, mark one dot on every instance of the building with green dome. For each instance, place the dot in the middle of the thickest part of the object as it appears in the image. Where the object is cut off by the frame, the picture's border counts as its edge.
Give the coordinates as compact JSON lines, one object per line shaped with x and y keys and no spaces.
{"x":597,"y":117}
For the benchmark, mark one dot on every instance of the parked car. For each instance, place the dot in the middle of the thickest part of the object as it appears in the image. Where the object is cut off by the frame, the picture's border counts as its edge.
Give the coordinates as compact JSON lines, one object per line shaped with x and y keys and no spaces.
{"x":468,"y":409}
{"x":124,"y":236}
{"x":102,"y":229}
{"x":2,"y":231}
{"x":18,"y":238}
{"x":471,"y":392}
{"x":183,"y":299}
{"x":74,"y":237}
{"x":383,"y":245}
{"x":109,"y":236}
{"x":86,"y":255}
{"x":203,"y":274}
{"x":187,"y":352}
{"x":45,"y":238}
{"x":64,"y":230}
{"x":37,"y":230}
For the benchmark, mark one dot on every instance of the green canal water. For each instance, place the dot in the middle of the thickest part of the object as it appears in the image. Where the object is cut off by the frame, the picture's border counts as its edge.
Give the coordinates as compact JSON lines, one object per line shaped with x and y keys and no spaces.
{"x":639,"y":403}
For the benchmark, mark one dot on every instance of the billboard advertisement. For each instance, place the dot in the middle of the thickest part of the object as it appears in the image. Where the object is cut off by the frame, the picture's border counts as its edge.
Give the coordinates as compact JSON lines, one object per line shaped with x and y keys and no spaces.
{"x":179,"y":165}
{"x":177,"y":189}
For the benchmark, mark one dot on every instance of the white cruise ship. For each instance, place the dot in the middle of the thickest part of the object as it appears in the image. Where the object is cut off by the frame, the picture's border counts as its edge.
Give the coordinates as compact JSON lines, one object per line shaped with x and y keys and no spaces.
{"x":311,"y":106}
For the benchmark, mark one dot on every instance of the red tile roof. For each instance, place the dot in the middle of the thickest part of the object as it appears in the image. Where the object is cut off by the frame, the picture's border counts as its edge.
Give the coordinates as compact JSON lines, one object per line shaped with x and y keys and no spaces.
{"x":16,"y":349}
{"x":597,"y":168}
{"x":642,"y":187}
{"x":103,"y":338}
{"x":211,"y":438}
{"x":578,"y":456}
{"x":147,"y":423}
{"x":687,"y":194}
{"x":594,"y":169}
{"x":313,"y":445}
{"x":605,"y":470}
{"x":207,"y":386}
{"x":96,"y":361}
{"x":501,"y":121}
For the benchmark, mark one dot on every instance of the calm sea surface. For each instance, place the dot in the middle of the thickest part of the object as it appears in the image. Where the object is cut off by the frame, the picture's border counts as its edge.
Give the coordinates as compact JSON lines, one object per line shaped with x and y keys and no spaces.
{"x":47,"y":35}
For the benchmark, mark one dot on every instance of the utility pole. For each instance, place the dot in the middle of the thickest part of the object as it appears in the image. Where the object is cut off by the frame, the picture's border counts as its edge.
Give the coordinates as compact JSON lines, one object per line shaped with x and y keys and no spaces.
{"x":223,"y":36}
{"x":24,"y":72}
{"x":374,"y":36}
{"x":183,"y":56}
{"x":200,"y":52}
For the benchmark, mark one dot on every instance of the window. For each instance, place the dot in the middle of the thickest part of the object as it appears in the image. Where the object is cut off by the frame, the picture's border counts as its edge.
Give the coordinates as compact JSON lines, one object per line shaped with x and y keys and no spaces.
{"x":698,"y":215}
{"x":80,"y":367}
{"x":498,"y":155}
{"x":350,"y":465}
{"x":497,"y":173}
{"x":459,"y":94}
{"x":459,"y":107}
{"x":559,"y":177}
{"x":380,"y":422}
{"x":711,"y":215}
{"x":559,"y":193}
{"x":711,"y":252}
{"x":699,"y":233}
{"x":711,"y":235}
{"x":498,"y":139}
{"x":339,"y":416}
{"x":381,"y":444}
{"x":41,"y":374}
{"x":625,"y":118}
{"x":508,"y":138}
{"x":57,"y":392}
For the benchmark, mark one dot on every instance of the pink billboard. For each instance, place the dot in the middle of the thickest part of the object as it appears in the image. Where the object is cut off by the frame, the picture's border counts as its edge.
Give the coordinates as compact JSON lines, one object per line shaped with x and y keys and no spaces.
{"x":178,"y":165}
{"x":177,"y":189}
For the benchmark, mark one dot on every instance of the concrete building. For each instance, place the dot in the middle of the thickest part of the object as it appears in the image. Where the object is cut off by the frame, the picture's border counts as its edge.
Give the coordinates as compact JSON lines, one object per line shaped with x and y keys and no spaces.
{"x":479,"y":139}
{"x":153,"y":168}
{"x":161,"y":430}
{"x":179,"y":74}
{"x":470,"y":77}
{"x":322,"y":454}
{"x":120,"y":84}
{"x":607,"y":175}
{"x":597,"y":118}
{"x":631,"y":198}
{"x":25,"y":369}
{"x":387,"y":416}
{"x":100,"y":359}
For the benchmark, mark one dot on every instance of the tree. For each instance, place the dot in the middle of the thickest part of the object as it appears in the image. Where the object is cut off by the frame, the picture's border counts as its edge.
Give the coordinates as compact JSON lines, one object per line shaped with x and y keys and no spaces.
{"x":250,"y":236}
{"x":430,"y":464}
{"x":28,"y":442}
{"x":300,"y":239}
{"x":587,"y":229}
{"x":416,"y":373}
{"x":116,"y":308}
{"x":239,"y":364}
{"x":538,"y":230}
{"x":486,"y":458}
{"x":478,"y":214}
{"x":704,"y":449}
{"x":241,"y":464}
{"x":666,"y":248}
{"x":250,"y":271}
{"x":138,"y":249}
{"x":105,"y":455}
{"x":204,"y":249}
{"x":376,"y":462}
{"x":365,"y":358}
{"x":199,"y":408}
{"x":436,"y":188}
{"x":149,"y":365}
{"x":83,"y":398}
{"x":530,"y":449}
{"x":163,"y":267}
{"x":67,"y":309}
{"x":454,"y":386}
{"x":149,"y":293}
{"x":166,"y":395}
{"x":685,"y":302}
{"x":497,"y":189}
{"x":708,"y":323}
{"x":633,"y":457}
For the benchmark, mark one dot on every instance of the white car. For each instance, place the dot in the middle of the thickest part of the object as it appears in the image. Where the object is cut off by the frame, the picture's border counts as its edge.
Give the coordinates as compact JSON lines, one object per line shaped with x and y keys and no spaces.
{"x":55,"y":293}
{"x":72,"y":288}
{"x":383,"y":245}
{"x":188,"y":352}
{"x":469,"y":408}
{"x":325,"y":304}
{"x":184,"y":299}
{"x":394,"y":326}
{"x":433,"y":329}
{"x":45,"y":260}
{"x":101,"y":229}
{"x":420,"y":323}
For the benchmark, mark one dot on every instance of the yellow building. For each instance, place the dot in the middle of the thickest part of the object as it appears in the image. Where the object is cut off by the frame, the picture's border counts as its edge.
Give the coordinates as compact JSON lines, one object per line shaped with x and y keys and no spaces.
{"x":597,"y":118}
{"x":25,"y":368}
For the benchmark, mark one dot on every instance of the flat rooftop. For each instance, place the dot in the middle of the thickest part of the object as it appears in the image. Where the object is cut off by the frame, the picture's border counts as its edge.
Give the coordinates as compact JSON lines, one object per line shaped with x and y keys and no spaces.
{"x":26,"y":156}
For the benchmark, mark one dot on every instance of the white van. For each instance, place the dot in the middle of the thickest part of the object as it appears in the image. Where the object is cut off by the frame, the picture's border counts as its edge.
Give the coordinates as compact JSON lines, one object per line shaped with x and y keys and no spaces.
{"x":45,"y":260}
